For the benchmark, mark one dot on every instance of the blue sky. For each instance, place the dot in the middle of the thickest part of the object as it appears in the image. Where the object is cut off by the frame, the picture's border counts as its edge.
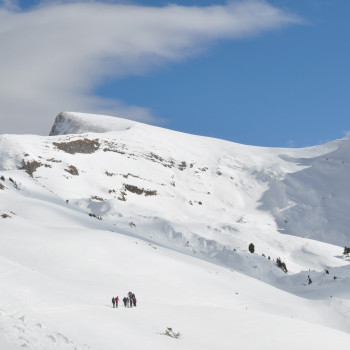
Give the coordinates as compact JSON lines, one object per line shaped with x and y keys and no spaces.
{"x":286,"y":87}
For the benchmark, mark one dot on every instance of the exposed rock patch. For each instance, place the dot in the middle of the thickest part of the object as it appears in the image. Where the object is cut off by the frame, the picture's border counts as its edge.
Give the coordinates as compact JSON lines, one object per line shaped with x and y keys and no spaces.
{"x":128,"y":174}
{"x":122,"y":196}
{"x":84,"y":146}
{"x":158,"y":159}
{"x":114,"y":147}
{"x":54,"y":160}
{"x":72,"y":170}
{"x":113,"y":150}
{"x":30,"y":166}
{"x":139,"y":191}
{"x":182,"y":165}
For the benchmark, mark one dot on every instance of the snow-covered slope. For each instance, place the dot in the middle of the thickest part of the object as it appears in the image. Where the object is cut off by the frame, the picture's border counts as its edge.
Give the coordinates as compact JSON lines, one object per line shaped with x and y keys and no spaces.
{"x":105,"y":205}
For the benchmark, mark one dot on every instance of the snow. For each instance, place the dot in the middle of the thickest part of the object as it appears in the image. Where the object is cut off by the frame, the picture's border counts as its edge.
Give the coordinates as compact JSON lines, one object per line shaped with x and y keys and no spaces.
{"x":78,"y":123}
{"x":177,"y":214}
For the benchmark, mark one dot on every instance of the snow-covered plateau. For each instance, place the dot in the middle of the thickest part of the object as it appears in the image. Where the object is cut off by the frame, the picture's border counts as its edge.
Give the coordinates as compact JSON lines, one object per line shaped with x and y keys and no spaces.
{"x":104,"y":206}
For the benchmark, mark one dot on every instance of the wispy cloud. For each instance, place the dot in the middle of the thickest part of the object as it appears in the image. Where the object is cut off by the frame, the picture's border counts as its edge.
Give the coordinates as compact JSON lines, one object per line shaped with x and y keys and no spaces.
{"x":53,"y":57}
{"x":291,"y":143}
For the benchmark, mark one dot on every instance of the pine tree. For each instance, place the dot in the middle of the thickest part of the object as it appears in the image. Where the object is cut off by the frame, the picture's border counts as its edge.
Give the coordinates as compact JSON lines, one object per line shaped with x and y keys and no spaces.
{"x":281,"y":265}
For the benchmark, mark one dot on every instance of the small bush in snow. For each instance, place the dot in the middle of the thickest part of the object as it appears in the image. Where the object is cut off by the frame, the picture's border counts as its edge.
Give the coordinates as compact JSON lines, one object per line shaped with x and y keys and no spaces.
{"x":14,"y":182}
{"x":95,"y":216}
{"x":251,"y":248}
{"x":281,"y":265}
{"x":170,"y":333}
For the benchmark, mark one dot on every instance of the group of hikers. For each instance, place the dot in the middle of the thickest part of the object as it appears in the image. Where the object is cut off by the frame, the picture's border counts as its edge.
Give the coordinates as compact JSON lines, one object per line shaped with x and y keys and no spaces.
{"x":128,"y":301}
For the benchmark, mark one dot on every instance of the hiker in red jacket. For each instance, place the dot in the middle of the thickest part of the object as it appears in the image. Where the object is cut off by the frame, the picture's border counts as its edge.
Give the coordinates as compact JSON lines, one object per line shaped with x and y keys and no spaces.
{"x":116,"y":301}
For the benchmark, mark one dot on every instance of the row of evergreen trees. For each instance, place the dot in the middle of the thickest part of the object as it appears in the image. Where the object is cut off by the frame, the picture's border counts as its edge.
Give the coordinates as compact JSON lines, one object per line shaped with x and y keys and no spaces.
{"x":282,"y":265}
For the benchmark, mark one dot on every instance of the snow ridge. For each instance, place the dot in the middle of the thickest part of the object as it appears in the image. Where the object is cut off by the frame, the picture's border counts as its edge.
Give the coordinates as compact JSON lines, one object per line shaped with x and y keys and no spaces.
{"x":79,"y":123}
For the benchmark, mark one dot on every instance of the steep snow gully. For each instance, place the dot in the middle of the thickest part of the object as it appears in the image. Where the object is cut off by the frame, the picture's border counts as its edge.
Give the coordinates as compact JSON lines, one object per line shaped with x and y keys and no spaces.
{"x":104,"y":205}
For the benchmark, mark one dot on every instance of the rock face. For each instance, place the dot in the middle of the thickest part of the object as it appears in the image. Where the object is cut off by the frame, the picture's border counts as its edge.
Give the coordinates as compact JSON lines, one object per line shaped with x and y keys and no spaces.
{"x":31,"y":166}
{"x":78,"y":146}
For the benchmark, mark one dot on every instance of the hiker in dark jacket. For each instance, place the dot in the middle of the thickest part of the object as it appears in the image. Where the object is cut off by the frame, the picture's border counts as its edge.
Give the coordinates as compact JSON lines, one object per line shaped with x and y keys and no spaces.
{"x":113,"y":302}
{"x":130,"y":302}
{"x":125,"y":301}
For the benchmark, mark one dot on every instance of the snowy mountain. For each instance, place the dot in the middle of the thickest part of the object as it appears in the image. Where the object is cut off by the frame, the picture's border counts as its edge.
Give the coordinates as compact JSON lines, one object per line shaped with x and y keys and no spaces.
{"x":106,"y":205}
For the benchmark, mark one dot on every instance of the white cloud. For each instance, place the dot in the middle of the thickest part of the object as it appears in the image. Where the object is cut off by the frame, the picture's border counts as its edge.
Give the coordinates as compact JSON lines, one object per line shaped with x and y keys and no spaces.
{"x":11,"y":5}
{"x":53,"y":56}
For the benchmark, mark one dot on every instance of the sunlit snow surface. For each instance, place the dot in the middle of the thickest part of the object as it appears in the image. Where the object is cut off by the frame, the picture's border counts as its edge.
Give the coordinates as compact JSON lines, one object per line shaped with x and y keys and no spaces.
{"x":171,"y":218}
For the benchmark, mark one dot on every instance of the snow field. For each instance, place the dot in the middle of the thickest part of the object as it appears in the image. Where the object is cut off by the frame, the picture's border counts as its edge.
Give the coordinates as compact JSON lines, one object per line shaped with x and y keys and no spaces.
{"x":177,"y":214}
{"x":68,"y":290}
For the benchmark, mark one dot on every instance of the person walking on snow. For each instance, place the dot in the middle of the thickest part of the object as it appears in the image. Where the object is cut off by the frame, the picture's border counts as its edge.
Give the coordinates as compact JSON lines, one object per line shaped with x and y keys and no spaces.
{"x":116,"y":301}
{"x":125,"y":301}
{"x":113,"y":302}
